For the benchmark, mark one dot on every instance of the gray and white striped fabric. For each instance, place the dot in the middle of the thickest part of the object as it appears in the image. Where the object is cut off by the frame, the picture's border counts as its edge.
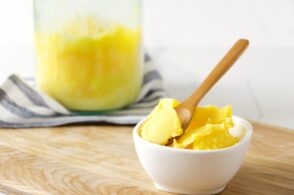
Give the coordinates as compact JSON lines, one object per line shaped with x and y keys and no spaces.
{"x":22,"y":106}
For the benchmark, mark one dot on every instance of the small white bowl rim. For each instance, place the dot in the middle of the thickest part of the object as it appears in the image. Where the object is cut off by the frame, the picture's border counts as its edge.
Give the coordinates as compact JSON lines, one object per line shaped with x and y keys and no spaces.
{"x":244,"y":140}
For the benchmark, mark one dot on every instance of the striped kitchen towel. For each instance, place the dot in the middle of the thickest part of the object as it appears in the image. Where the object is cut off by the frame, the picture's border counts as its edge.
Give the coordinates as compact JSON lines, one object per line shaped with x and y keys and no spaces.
{"x":22,"y":106}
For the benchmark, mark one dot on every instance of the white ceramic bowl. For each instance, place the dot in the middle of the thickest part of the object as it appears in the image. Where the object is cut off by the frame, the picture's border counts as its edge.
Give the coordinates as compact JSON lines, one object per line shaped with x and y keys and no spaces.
{"x":191,"y":171}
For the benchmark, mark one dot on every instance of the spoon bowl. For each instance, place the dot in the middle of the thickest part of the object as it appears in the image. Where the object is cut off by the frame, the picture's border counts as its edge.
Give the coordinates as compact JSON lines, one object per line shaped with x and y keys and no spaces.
{"x":187,"y":171}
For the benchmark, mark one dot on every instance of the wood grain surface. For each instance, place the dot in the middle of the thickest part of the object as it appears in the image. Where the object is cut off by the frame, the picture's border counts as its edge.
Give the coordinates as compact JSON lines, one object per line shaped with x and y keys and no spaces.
{"x":102,"y":160}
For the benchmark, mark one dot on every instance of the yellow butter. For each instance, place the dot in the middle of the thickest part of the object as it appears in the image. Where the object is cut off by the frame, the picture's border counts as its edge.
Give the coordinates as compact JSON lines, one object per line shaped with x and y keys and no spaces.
{"x":87,"y":65}
{"x":162,"y":124}
{"x":208,"y":129}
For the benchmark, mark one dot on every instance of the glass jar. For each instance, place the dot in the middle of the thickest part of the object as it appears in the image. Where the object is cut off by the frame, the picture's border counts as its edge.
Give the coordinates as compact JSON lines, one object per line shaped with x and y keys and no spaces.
{"x":89,"y":52}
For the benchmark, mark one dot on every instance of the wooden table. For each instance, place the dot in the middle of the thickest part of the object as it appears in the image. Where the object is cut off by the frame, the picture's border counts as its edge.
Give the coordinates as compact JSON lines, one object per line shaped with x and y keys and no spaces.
{"x":102,"y":160}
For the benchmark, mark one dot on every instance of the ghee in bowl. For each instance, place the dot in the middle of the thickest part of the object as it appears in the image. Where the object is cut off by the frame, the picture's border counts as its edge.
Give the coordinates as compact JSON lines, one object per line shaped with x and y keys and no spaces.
{"x":200,"y":160}
{"x":210,"y":127}
{"x":188,"y":170}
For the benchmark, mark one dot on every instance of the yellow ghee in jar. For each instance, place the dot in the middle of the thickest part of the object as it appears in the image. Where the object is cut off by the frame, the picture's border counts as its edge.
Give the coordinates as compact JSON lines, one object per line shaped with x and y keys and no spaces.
{"x":89,"y":66}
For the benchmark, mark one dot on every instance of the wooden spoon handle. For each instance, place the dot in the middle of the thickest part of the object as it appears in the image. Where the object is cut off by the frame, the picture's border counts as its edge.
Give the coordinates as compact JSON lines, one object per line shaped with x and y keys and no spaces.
{"x":220,"y":69}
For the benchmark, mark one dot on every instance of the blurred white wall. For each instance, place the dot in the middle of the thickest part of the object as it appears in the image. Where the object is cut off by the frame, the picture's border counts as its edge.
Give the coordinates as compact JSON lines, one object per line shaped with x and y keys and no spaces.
{"x":16,"y":38}
{"x":213,"y":23}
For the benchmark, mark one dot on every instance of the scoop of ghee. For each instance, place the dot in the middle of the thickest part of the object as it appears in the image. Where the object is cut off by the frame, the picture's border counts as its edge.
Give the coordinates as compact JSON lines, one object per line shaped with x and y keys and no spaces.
{"x":89,"y":66}
{"x":163,"y":123}
{"x":209,"y":128}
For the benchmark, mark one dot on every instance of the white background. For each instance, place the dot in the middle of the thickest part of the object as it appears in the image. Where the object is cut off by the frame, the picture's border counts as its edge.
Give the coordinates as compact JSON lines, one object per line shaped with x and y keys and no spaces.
{"x":186,"y":38}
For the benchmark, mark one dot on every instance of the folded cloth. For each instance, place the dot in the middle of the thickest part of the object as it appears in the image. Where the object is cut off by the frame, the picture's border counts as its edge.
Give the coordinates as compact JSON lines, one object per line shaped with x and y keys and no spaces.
{"x":22,"y":106}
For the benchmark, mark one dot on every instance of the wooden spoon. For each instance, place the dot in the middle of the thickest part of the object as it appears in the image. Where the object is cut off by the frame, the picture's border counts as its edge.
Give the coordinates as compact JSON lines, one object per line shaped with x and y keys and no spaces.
{"x":186,"y":109}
